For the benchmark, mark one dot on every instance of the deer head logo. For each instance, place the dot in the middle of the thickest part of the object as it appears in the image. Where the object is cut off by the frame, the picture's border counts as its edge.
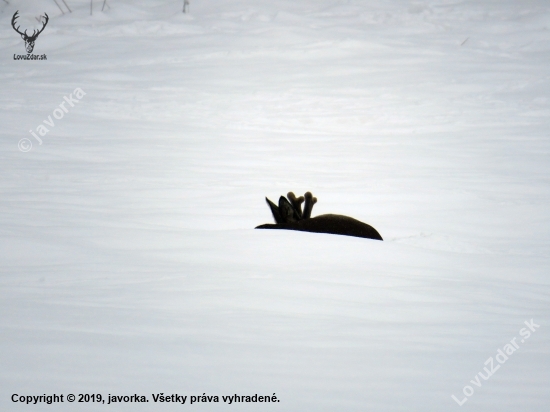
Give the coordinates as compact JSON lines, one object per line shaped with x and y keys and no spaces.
{"x":29,"y":40}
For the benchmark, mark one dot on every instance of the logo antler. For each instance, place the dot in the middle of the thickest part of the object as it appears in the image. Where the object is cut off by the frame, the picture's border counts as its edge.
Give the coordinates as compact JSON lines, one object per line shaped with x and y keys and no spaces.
{"x":29,"y":40}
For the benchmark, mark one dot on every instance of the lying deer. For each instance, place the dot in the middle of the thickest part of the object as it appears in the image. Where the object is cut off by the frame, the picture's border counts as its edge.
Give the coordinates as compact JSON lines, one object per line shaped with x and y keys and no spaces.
{"x":289,"y":215}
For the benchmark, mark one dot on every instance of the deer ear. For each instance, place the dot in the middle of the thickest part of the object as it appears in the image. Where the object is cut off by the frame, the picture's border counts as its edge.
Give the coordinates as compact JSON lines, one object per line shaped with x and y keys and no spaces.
{"x":23,"y":36}
{"x":274,"y":211}
{"x":288,"y":214}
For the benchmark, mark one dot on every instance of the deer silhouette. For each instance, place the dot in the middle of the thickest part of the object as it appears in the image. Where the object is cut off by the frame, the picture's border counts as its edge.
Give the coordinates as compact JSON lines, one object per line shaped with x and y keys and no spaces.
{"x":29,"y":40}
{"x":289,"y":215}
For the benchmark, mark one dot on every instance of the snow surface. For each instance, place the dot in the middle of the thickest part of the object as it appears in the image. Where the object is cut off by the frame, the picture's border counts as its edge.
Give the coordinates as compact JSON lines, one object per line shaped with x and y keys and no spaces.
{"x":129,"y":263}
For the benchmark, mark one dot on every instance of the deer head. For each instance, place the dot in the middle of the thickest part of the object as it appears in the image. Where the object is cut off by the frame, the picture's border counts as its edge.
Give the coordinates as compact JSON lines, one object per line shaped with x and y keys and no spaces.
{"x":289,"y":215}
{"x":29,"y":40}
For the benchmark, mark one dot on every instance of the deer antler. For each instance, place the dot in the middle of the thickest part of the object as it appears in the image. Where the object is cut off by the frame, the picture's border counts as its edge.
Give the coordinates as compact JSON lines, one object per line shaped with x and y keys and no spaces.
{"x":296,"y":202}
{"x":35,"y":33}
{"x":310,"y":201}
{"x":14,"y":18}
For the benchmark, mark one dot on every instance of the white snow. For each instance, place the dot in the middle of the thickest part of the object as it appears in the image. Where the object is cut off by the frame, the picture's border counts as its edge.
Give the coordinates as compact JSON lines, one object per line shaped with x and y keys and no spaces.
{"x":129,"y":263}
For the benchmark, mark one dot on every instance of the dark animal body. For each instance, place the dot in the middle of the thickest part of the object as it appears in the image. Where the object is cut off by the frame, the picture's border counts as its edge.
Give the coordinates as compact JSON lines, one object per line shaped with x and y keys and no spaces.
{"x":288,"y":215}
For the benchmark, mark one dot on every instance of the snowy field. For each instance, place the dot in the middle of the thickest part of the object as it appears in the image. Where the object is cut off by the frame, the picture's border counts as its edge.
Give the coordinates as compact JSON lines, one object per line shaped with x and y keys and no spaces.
{"x":129,"y":264}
